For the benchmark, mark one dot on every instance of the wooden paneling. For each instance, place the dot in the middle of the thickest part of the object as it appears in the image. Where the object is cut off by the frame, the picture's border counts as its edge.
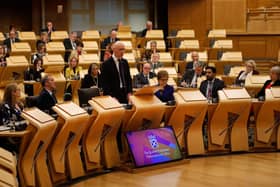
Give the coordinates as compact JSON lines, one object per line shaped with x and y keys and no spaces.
{"x":256,"y":46}
{"x":15,"y":13}
{"x":229,"y":15}
{"x":60,"y":20}
{"x":191,"y":14}
{"x":262,"y":3}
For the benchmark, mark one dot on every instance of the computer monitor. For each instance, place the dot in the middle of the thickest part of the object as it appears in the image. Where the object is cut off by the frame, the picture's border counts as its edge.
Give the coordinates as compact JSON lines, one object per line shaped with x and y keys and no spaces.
{"x":153,"y":146}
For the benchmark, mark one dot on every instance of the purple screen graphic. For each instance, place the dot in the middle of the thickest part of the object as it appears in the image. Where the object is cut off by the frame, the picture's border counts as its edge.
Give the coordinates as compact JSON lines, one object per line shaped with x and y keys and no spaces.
{"x":153,"y":146}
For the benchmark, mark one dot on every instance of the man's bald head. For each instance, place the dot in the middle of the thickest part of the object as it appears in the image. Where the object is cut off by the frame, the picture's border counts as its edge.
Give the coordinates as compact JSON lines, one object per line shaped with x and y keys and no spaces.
{"x":118,"y":49}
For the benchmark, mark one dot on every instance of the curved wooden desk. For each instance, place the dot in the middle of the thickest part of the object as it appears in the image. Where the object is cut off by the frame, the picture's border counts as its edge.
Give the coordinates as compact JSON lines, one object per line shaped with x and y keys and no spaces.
{"x":99,"y":143}
{"x":187,"y":120}
{"x":8,"y":162}
{"x":229,"y":121}
{"x":65,"y":152}
{"x":32,"y":166}
{"x":144,"y":116}
{"x":268,"y":119}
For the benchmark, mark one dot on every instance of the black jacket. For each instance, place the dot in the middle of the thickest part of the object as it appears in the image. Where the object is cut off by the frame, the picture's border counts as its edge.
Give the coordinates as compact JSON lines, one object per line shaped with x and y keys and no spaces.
{"x":218,"y":85}
{"x":262,"y":91}
{"x":110,"y":78}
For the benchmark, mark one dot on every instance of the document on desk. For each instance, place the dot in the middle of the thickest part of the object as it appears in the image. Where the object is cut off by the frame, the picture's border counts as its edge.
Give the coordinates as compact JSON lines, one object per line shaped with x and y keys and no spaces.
{"x":5,"y":128}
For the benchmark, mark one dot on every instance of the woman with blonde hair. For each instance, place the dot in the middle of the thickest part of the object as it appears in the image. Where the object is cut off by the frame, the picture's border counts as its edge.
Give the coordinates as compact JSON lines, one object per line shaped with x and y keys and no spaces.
{"x":72,"y":72}
{"x":250,"y":69}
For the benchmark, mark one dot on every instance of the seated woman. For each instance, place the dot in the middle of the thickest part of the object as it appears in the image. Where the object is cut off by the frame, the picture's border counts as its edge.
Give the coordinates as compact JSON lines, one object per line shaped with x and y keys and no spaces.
{"x":10,"y":115}
{"x":41,"y":52}
{"x":92,"y":79}
{"x":249,"y":71}
{"x":11,"y":107}
{"x":72,"y":72}
{"x":165,"y":93}
{"x":274,"y":81}
{"x":34,"y":73}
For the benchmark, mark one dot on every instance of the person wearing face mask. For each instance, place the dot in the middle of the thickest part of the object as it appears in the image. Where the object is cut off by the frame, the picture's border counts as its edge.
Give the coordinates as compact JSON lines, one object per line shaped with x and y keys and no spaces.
{"x":209,"y":87}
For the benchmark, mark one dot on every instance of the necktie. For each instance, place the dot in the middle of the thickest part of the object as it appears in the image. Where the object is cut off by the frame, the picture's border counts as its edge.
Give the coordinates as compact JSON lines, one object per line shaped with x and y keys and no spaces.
{"x":121,"y":72}
{"x":146,"y":79}
{"x":209,"y":89}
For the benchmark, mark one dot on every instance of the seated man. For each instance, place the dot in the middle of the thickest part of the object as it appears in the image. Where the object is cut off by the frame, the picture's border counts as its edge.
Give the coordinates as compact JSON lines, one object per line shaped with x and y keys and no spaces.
{"x":155,"y":63}
{"x":47,"y":97}
{"x":69,"y":44}
{"x":142,"y":79}
{"x":12,"y":39}
{"x":195,"y":59}
{"x":190,"y":77}
{"x":209,"y":87}
{"x":109,"y":40}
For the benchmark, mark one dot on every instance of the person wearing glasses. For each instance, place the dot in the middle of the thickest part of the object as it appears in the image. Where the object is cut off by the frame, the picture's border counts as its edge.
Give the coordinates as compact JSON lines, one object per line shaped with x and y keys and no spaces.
{"x":209,"y":87}
{"x":142,"y":79}
{"x":165,"y":93}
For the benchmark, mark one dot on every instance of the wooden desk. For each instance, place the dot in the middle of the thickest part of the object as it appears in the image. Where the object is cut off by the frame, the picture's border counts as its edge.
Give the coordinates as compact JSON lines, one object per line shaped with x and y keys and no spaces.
{"x":12,"y":133}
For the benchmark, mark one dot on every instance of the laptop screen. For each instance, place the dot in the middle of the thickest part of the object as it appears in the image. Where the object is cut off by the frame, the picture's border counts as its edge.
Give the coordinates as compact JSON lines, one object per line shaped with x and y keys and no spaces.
{"x":153,"y":146}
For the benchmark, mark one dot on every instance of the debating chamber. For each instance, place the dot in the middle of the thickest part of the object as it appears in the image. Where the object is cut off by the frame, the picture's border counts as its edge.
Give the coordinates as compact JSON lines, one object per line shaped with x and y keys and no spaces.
{"x":141,"y":93}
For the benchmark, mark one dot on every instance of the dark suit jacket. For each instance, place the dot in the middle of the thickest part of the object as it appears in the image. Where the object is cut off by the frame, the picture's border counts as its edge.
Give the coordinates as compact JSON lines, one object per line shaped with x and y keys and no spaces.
{"x":143,"y":33}
{"x":218,"y":85}
{"x":90,"y":81}
{"x":189,"y":66}
{"x":105,"y":42}
{"x":7,"y":42}
{"x":188,"y":76}
{"x":238,"y":82}
{"x":140,"y":80}
{"x":262,"y":91}
{"x":68,"y":47}
{"x":166,"y":94}
{"x":46,"y":101}
{"x":110,"y":78}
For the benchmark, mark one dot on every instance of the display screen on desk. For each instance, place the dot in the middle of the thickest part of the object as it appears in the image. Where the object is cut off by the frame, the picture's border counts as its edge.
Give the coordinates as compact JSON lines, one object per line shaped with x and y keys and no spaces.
{"x":153,"y":146}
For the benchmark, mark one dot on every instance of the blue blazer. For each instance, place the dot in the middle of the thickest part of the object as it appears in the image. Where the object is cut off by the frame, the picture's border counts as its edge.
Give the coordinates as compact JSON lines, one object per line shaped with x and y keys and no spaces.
{"x":166,"y":94}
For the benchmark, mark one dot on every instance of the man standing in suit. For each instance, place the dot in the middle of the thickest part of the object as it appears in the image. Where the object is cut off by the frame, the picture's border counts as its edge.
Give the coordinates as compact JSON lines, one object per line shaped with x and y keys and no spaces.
{"x":115,"y":75}
{"x":195,"y":59}
{"x":142,"y":79}
{"x":191,"y":76}
{"x":209,"y":87}
{"x":12,"y":39}
{"x":109,"y":40}
{"x":47,"y":98}
{"x":69,"y":44}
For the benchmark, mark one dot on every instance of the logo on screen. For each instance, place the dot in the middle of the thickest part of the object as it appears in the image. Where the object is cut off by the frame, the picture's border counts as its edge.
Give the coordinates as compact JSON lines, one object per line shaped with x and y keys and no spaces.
{"x":153,"y":141}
